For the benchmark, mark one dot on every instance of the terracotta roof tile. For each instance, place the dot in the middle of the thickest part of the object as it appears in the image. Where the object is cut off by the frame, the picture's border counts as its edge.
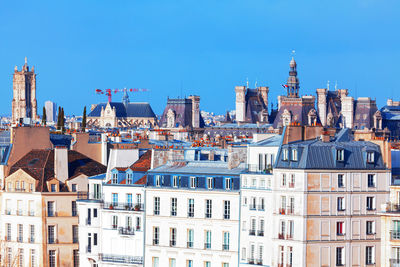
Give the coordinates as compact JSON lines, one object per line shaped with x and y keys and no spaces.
{"x":143,"y":164}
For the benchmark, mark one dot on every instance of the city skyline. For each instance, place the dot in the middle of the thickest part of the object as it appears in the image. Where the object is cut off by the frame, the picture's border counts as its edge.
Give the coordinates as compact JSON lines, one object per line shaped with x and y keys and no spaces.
{"x":182,"y":49}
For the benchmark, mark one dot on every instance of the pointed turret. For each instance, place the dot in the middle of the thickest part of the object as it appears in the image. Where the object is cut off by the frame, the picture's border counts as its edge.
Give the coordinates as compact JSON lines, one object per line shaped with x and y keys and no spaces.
{"x":293,"y":84}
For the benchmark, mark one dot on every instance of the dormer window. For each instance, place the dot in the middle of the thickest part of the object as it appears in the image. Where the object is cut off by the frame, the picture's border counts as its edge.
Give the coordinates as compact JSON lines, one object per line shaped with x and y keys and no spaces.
{"x":370,"y":157}
{"x":175,"y":181}
{"x":73,"y":188}
{"x":115,"y":178}
{"x":193,"y":182}
{"x":228,"y":183}
{"x":53,"y":187}
{"x":340,"y":155}
{"x":210,"y":182}
{"x":129,"y":178}
{"x":158,"y":180}
{"x":294,"y":155}
{"x":285,"y":154}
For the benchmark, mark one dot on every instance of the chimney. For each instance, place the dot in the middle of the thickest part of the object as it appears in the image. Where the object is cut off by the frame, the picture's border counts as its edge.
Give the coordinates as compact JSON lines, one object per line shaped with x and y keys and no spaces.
{"x":325,"y":137}
{"x":211,"y":155}
{"x":61,"y":163}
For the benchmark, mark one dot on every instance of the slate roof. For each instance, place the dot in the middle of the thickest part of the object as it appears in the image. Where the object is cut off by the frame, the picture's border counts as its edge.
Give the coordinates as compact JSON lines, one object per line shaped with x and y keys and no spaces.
{"x":274,"y":141}
{"x":140,"y":110}
{"x":198,"y":167}
{"x":39,"y":163}
{"x":315,"y":154}
{"x":183,"y":112}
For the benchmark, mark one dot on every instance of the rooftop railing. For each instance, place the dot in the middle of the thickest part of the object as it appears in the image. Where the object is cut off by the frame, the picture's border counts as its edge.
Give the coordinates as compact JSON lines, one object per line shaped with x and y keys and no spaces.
{"x":121,"y":259}
{"x":123,"y":206}
{"x":258,"y":169}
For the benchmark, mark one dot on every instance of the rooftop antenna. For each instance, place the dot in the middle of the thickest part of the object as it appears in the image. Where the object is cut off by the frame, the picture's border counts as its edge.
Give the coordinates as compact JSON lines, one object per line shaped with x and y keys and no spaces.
{"x":293,"y":53}
{"x":327,"y":85}
{"x":26,"y":60}
{"x":247,"y":82}
{"x":335,"y":85}
{"x":255,"y":85}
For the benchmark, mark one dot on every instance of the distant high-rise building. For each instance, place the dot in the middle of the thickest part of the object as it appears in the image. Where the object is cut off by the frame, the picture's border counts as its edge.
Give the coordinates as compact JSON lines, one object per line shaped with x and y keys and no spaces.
{"x":51,"y":111}
{"x":24,"y":103}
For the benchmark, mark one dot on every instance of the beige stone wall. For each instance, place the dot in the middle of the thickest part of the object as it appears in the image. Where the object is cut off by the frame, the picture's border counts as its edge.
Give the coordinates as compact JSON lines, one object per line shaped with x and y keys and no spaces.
{"x":91,"y":150}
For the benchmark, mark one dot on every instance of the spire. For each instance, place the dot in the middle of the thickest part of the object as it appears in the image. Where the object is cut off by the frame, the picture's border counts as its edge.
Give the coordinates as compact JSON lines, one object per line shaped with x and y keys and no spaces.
{"x":293,"y":81}
{"x":26,"y":61}
{"x":125,"y":98}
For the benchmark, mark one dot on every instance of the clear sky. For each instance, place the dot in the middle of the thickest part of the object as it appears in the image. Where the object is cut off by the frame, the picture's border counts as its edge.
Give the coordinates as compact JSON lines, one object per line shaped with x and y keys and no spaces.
{"x":178,"y":48}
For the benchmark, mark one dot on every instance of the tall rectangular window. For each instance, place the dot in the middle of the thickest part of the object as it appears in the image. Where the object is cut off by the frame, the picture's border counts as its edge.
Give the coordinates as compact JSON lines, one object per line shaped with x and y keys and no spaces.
{"x":340,"y":180}
{"x":190,"y":233}
{"x":228,"y":183}
{"x":192,"y":182}
{"x":340,"y":204}
{"x":175,"y":181}
{"x":76,"y":257}
{"x":370,"y":157}
{"x":8,"y":231}
{"x":371,"y":180}
{"x":20,"y":233}
{"x":172,"y":262}
{"x":174,"y":205}
{"x":285,"y":154}
{"x":261,"y":228}
{"x":340,"y":155}
{"x":339,"y":256}
{"x":225,"y":245}
{"x":210,"y":182}
{"x":283,"y":180}
{"x":115,"y":178}
{"x":156,"y":205}
{"x":227,"y":209}
{"x":50,"y":209}
{"x":370,"y":227}
{"x":190,"y":207}
{"x":208,"y":208}
{"x":340,"y":228}
{"x":290,"y":256}
{"x":51,"y":234}
{"x":155,"y":262}
{"x":207,"y":237}
{"x":294,"y":155}
{"x":75,"y":237}
{"x":370,"y":203}
{"x":74,"y":209}
{"x":129,"y":178}
{"x":261,"y":206}
{"x":32,"y":233}
{"x":33,"y":258}
{"x":21,"y":257}
{"x":52,"y":258}
{"x":96,"y":191}
{"x":158,"y":180}
{"x":156,"y":236}
{"x":115,"y":199}
{"x":114,"y":222}
{"x":369,"y":255}
{"x":172,"y":237}
{"x":129,"y":200}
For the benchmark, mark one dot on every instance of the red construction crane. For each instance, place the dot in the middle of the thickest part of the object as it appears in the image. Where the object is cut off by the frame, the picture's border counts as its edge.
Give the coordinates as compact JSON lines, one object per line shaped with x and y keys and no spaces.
{"x":108,"y":92}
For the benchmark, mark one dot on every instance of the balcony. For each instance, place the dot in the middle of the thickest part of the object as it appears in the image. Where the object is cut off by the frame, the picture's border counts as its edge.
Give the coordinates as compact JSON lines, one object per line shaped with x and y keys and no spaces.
{"x":289,"y":236}
{"x":394,"y":262}
{"x":252,"y":232}
{"x":173,"y":212}
{"x":261,"y":207}
{"x":190,"y":214}
{"x":126,"y":231}
{"x":260,"y":233}
{"x":31,"y":213}
{"x":259,"y":261}
{"x":121,"y":259}
{"x":207,"y":245}
{"x":190,"y":244}
{"x":123,"y":206}
{"x":19,"y":239}
{"x":290,"y":210}
{"x":291,"y":185}
{"x":31,"y":240}
{"x":395,"y":235}
{"x":114,"y":226}
{"x":19,"y":212}
{"x":251,"y":261}
{"x":156,"y":242}
{"x":208,"y":215}
{"x":83,"y":195}
{"x":225,"y":247}
{"x":391,"y":207}
{"x":227,"y":216}
{"x":256,"y":168}
{"x":281,"y":236}
{"x":282,"y":211}
{"x":172,"y":243}
{"x":8,"y":212}
{"x":138,"y":228}
{"x":19,"y":190}
{"x":252,"y":207}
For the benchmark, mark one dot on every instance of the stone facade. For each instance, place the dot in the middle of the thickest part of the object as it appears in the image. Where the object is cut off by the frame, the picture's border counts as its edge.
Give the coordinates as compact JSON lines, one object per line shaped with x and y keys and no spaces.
{"x":24,"y":103}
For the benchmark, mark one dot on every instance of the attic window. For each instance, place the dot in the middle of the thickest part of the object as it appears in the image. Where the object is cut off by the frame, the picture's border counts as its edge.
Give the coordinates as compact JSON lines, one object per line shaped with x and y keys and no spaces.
{"x":129,"y":178}
{"x":294,"y":155}
{"x":340,"y":155}
{"x":370,"y":157}
{"x":285,"y":154}
{"x":115,"y":178}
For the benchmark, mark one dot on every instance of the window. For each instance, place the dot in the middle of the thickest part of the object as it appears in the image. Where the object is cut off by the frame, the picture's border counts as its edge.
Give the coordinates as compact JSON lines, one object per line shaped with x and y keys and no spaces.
{"x":96,"y":191}
{"x":158,"y":180}
{"x":190,"y":234}
{"x":115,"y":178}
{"x":156,"y":235}
{"x":31,"y":233}
{"x":340,"y":155}
{"x":75,"y":237}
{"x":292,"y":180}
{"x":94,"y":213}
{"x":52,"y":258}
{"x":261,"y":228}
{"x":74,"y":208}
{"x":9,"y":257}
{"x":340,"y":228}
{"x":369,"y":255}
{"x":210,"y":182}
{"x":156,"y":205}
{"x":74,"y":188}
{"x":8,"y":230}
{"x":172,"y":262}
{"x":155,"y":262}
{"x":290,"y":209}
{"x":129,"y":178}
{"x":224,"y":264}
{"x":261,"y":206}
{"x":290,"y":230}
{"x":189,"y":263}
{"x":370,"y":157}
{"x":95,"y":239}
{"x":172,"y":237}
{"x":340,"y":180}
{"x":243,"y":254}
{"x":244,"y":201}
{"x":253,"y":205}
{"x":21,"y":257}
{"x":174,"y":203}
{"x":282,"y":230}
{"x":31,"y":187}
{"x":285,"y":154}
{"x":51,"y":234}
{"x":290,"y":256}
{"x":76,"y":257}
{"x":208,"y":208}
{"x":23,"y":186}
{"x":207,"y":264}
{"x":227,"y":209}
{"x":190,"y":207}
{"x":370,"y":227}
{"x":260,"y":253}
{"x":114,"y":223}
{"x":370,"y":203}
{"x":371,"y":180}
{"x":294,"y":155}
{"x":50,"y":209}
{"x":138,"y":224}
{"x":339,"y":256}
{"x":139,"y":198}
{"x":175,"y":182}
{"x":283,"y":181}
{"x":33,"y":258}
{"x":207,"y":243}
{"x":282,"y":210}
{"x":193,"y":182}
{"x":225,"y":245}
{"x":129,"y":202}
{"x":228,"y":183}
{"x":252,"y":252}
{"x":20,"y":232}
{"x":252,"y":230}
{"x":340,"y":204}
{"x":115,"y":199}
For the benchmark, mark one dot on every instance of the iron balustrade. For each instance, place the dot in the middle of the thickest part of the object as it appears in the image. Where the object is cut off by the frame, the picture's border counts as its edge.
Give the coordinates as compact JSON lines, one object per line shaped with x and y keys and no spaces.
{"x":259,"y":261}
{"x":31,"y":240}
{"x":260,"y":233}
{"x":261,"y":207}
{"x":155,"y":242}
{"x":227,"y":216}
{"x":225,"y":246}
{"x":172,"y":243}
{"x":190,"y":214}
{"x":190,"y":244}
{"x":252,"y":207}
{"x":19,"y":212}
{"x":123,"y":206}
{"x":258,"y":168}
{"x":250,"y":261}
{"x":121,"y":259}
{"x":207,"y":245}
{"x":126,"y":231}
{"x":19,"y":239}
{"x":252,"y":232}
{"x":208,"y":215}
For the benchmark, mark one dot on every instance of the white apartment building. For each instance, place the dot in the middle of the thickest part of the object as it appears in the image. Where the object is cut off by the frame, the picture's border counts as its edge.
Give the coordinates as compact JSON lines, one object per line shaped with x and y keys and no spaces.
{"x":192,"y":214}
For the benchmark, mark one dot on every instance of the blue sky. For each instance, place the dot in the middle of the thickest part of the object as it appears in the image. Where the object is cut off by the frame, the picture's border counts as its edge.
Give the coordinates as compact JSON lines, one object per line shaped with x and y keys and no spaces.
{"x":178,"y":48}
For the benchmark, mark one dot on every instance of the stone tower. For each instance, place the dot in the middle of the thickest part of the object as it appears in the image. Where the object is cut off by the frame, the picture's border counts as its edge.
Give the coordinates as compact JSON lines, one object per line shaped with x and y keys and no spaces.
{"x":293,"y":84}
{"x":24,"y":94}
{"x":240,"y":103}
{"x":195,"y":110}
{"x":321,"y":103}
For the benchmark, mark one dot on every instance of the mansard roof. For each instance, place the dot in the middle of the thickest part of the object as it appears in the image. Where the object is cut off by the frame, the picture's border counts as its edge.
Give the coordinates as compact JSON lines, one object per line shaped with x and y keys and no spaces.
{"x":138,"y":110}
